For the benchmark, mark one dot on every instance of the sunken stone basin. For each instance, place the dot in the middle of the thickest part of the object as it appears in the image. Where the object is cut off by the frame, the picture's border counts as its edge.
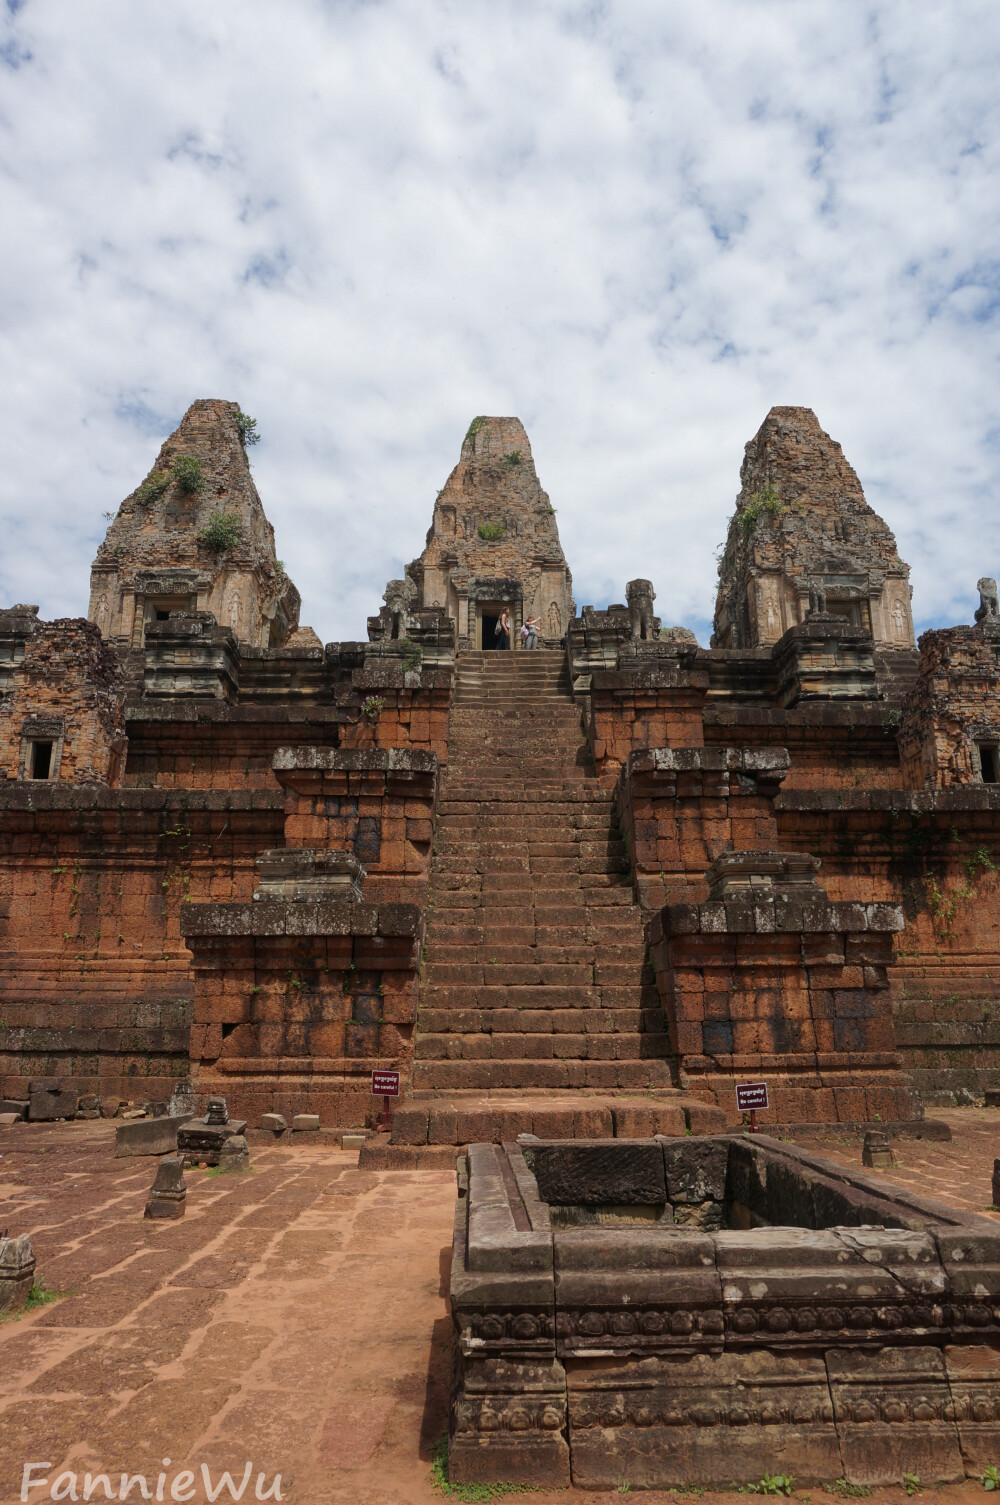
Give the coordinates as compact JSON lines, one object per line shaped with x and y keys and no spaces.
{"x":705,"y":1310}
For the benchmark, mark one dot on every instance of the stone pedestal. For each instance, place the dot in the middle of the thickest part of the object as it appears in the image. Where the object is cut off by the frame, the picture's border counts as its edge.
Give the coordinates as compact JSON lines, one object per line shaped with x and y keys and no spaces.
{"x":168,"y":1194}
{"x":17,"y":1273}
{"x":769,"y":979}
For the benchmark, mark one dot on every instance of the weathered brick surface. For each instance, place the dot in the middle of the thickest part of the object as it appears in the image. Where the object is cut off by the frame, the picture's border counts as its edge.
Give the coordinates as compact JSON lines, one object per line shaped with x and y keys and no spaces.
{"x":67,"y":689}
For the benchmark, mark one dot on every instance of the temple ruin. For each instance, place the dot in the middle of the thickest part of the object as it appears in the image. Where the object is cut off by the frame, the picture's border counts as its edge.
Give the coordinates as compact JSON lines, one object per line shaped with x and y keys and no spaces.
{"x":577,"y":891}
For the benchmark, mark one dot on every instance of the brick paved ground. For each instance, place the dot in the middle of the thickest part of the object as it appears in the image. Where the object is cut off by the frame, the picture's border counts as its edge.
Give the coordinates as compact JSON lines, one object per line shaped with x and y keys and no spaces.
{"x":295,"y":1317}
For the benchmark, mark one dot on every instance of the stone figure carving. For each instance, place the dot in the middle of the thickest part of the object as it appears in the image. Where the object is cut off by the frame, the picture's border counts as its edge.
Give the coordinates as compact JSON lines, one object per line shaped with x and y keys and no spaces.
{"x":989,"y":606}
{"x":399,"y":596}
{"x":555,"y":621}
{"x":899,"y":631}
{"x":640,"y":596}
{"x":102,"y":615}
{"x":817,"y":599}
{"x":232,"y":609}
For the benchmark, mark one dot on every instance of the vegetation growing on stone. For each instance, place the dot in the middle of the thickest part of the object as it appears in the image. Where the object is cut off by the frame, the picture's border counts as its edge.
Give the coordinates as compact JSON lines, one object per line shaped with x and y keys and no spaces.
{"x":491,"y":532}
{"x":410,"y":654}
{"x":247,"y":428}
{"x":188,"y":473}
{"x":371,"y":708}
{"x":474,"y":428}
{"x":222,"y":531}
{"x":766,"y":503}
{"x":513,"y":457}
{"x":154,"y":487}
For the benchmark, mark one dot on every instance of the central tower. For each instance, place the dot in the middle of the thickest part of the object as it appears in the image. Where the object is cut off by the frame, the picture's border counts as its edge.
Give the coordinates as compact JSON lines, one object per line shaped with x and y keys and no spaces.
{"x":494,"y":542}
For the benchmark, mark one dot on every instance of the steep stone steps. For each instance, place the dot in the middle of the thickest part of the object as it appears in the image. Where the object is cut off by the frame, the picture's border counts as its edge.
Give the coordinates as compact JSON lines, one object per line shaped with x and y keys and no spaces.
{"x":535,"y":976}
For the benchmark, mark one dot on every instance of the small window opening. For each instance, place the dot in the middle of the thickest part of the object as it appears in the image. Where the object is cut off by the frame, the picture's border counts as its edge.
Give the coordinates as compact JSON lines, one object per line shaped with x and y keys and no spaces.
{"x":163,"y":616}
{"x":41,"y":760}
{"x":989,"y":762}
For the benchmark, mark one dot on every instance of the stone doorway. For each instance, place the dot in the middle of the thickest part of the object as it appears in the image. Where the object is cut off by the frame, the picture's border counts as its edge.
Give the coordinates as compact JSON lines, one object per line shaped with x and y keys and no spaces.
{"x":488,"y":614}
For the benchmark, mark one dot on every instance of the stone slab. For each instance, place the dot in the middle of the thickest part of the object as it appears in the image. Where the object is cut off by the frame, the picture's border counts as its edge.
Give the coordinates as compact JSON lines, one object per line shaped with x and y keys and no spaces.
{"x":618,"y":1171}
{"x":149,"y":1136}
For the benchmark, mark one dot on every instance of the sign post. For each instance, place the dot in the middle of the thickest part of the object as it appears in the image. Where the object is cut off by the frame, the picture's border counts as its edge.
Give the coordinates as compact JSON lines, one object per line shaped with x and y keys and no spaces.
{"x":751,"y":1096}
{"x":385,"y":1084}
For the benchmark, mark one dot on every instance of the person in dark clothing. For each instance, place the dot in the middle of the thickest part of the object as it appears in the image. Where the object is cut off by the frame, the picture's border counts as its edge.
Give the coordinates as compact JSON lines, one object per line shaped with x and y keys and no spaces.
{"x":503,"y":629}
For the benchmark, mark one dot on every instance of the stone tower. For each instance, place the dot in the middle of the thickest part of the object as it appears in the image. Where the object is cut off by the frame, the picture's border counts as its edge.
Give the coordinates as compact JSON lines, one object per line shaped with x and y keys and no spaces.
{"x":494,"y":541}
{"x":802,"y":527}
{"x":194,"y":538}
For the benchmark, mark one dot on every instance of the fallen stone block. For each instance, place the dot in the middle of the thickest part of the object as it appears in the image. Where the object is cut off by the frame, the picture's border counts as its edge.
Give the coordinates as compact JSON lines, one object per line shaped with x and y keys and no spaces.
{"x":275,"y":1122}
{"x":17,"y":1272}
{"x":234,"y":1155}
{"x":168,"y":1194}
{"x":148,"y":1136}
{"x":50,"y":1103}
{"x":7,"y":1120}
{"x":304,"y":1121}
{"x":17,"y":1106}
{"x":352,"y":1141}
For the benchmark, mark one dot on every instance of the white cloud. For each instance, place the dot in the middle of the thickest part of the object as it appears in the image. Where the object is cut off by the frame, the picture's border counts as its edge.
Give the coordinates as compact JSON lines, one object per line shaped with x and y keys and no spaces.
{"x":637,"y":226}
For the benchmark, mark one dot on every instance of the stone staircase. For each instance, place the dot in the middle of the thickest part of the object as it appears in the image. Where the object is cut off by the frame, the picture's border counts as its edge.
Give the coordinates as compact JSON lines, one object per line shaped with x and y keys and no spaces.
{"x":535,"y":982}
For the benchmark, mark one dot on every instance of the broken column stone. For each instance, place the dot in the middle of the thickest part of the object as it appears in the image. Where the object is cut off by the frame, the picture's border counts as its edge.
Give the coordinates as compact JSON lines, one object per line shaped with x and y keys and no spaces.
{"x":218,"y":1111}
{"x":17,"y":1272}
{"x":168,"y":1193}
{"x":182,"y":1100}
{"x":876,"y":1150}
{"x":235,"y":1154}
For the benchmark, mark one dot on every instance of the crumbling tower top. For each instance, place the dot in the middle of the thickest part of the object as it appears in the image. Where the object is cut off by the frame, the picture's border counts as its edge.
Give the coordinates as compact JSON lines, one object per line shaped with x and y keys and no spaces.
{"x":193,"y":537}
{"x":802,"y":524}
{"x":493,"y":541}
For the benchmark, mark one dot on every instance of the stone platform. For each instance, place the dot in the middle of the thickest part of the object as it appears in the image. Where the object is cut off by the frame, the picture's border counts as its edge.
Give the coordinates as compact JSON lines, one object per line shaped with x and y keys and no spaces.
{"x":708,"y":1310}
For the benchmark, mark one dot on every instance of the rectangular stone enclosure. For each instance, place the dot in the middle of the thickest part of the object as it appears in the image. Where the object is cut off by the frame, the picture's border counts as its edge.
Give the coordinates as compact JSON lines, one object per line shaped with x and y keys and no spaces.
{"x":709,"y":1309}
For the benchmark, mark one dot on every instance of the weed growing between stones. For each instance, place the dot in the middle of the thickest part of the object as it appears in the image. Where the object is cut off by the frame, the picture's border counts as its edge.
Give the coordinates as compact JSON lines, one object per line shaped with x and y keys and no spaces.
{"x":474,"y":428}
{"x":911,"y":1483}
{"x":371,"y":708}
{"x":847,"y":1491}
{"x":222,"y":531}
{"x":491,"y":532}
{"x":766,"y":503}
{"x":247,"y":428}
{"x":410,"y":655}
{"x":188,"y":474}
{"x":990,"y":1477}
{"x":38,"y":1296}
{"x":513,"y":457}
{"x":771,"y":1484}
{"x":469,"y":1494}
{"x":154,"y":487}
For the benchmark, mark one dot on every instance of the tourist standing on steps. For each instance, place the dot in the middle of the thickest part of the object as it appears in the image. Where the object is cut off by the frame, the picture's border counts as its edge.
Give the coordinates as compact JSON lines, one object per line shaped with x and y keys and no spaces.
{"x":529,"y":633}
{"x":503,"y":629}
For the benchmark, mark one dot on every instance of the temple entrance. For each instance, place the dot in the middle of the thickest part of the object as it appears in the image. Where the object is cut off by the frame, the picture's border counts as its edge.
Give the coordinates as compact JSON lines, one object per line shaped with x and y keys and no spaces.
{"x":488,"y":614}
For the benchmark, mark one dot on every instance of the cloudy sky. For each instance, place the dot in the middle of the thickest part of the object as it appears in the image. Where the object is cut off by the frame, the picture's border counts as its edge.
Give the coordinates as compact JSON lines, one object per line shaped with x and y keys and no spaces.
{"x":636,"y":224}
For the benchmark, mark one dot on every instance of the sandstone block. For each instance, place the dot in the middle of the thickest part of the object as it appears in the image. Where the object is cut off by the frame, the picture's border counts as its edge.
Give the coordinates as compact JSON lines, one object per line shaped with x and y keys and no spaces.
{"x":615,"y":1171}
{"x":148,"y":1136}
{"x":302,"y":1122}
{"x":51,"y":1103}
